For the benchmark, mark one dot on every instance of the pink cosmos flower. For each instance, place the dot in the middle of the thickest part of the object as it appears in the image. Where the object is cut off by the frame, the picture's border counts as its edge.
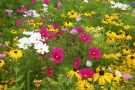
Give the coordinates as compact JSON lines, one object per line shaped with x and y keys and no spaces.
{"x":2,"y":55}
{"x":66,"y":29}
{"x":44,"y":32}
{"x":86,"y":38}
{"x":59,"y":5}
{"x":56,"y":26}
{"x":77,"y":62}
{"x":4,"y":46}
{"x":58,"y":33}
{"x":51,"y":35}
{"x":79,"y":30}
{"x":39,"y":81}
{"x":18,"y":22}
{"x":0,"y":44}
{"x":22,"y":10}
{"x":127,"y":76}
{"x":9,"y":11}
{"x":49,"y":71}
{"x":44,"y":55}
{"x":94,"y":53}
{"x":78,"y":18}
{"x":46,"y":2}
{"x":133,"y":12}
{"x":73,"y":31}
{"x":33,"y":2}
{"x":86,"y":73}
{"x":0,"y":33}
{"x":56,"y":55}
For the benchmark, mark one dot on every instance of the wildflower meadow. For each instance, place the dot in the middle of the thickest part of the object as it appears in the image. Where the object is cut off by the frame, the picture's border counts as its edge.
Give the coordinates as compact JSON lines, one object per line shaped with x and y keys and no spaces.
{"x":67,"y":45}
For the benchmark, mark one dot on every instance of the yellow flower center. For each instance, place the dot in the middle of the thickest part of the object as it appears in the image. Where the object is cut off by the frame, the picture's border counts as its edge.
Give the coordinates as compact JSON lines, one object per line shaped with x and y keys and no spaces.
{"x":93,"y":53}
{"x":85,"y":75}
{"x":24,"y":43}
{"x":36,"y":39}
{"x":41,"y":48}
{"x":50,"y":70}
{"x":84,"y":38}
{"x":43,"y":34}
{"x":75,"y":62}
{"x":57,"y":56}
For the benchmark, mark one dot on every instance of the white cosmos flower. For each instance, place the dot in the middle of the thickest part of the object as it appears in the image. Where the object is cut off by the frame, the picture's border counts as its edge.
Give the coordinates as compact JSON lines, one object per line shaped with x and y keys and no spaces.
{"x":35,"y":37}
{"x":118,"y":72}
{"x":24,"y":43}
{"x":28,"y":33}
{"x":109,"y":69}
{"x":88,"y":63}
{"x":41,"y":48}
{"x":86,"y":1}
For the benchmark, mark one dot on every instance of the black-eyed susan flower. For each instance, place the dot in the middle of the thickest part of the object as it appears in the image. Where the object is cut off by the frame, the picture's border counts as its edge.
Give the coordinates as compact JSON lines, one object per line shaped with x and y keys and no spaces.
{"x":102,"y":77}
{"x":126,"y":51}
{"x":15,"y":54}
{"x":72,"y":14}
{"x":110,"y":40}
{"x":63,"y":15}
{"x":13,"y":31}
{"x":74,"y":72}
{"x":131,"y":60}
{"x":2,"y":63}
{"x":68,"y":24}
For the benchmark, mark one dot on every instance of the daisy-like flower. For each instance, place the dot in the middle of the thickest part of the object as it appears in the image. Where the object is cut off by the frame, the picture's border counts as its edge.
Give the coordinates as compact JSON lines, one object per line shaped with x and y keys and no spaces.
{"x":63,"y":15}
{"x":88,"y":63}
{"x":118,"y":73}
{"x":18,"y":22}
{"x":86,"y":73}
{"x":79,"y":30}
{"x":24,"y":43}
{"x":86,"y":38}
{"x":127,"y":76}
{"x":44,"y":32}
{"x":72,"y":14}
{"x":49,"y":71}
{"x":68,"y":24}
{"x":28,"y":33}
{"x":9,"y":11}
{"x":77,"y":62}
{"x":46,"y":2}
{"x":15,"y":54}
{"x":102,"y":77}
{"x":35,"y":37}
{"x":2,"y":55}
{"x":73,"y":31}
{"x":56,"y":55}
{"x":22,"y":10}
{"x":44,"y":55}
{"x":74,"y":73}
{"x":2,"y":63}
{"x":94,"y":53}
{"x":131,"y":60}
{"x":41,"y":48}
{"x":126,"y":51}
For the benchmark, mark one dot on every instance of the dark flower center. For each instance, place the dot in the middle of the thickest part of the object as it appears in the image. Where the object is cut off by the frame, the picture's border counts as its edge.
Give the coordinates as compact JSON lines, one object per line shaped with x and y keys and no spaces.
{"x":132,"y":57}
{"x":85,"y":87}
{"x":15,"y":51}
{"x":101,"y":72}
{"x":114,"y":75}
{"x":126,"y":49}
{"x":68,"y":22}
{"x":72,"y":13}
{"x":75,"y":69}
{"x":0,"y":61}
{"x":126,"y":34}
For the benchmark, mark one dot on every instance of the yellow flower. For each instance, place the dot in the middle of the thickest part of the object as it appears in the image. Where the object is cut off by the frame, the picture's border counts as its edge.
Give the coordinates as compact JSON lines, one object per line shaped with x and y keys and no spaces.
{"x":13,"y":31}
{"x":131,"y":60}
{"x":68,"y":24}
{"x":110,"y":40}
{"x":134,"y":43}
{"x":72,"y":14}
{"x":74,"y":72}
{"x":2,"y":63}
{"x":106,"y":56}
{"x":63,"y":15}
{"x":15,"y":54}
{"x":126,"y":51}
{"x":7,"y":42}
{"x":104,"y":21}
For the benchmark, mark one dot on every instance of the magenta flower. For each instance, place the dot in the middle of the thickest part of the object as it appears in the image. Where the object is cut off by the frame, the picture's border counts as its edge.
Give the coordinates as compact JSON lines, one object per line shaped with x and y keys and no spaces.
{"x":44,"y":55}
{"x":4,"y":46}
{"x":18,"y":22}
{"x":39,"y":81}
{"x":46,"y":2}
{"x":77,"y":62}
{"x":56,"y":26}
{"x":59,"y":5}
{"x":86,"y":73}
{"x":22,"y":10}
{"x":79,"y":30}
{"x":73,"y":40}
{"x":44,"y":32}
{"x":66,"y":29}
{"x":94,"y":53}
{"x":49,"y":71}
{"x":33,"y":2}
{"x":9,"y":11}
{"x":58,"y":33}
{"x":127,"y":76}
{"x":56,"y":55}
{"x":51,"y":35}
{"x":0,"y":44}
{"x":2,"y":55}
{"x":85,"y":38}
{"x":73,"y":31}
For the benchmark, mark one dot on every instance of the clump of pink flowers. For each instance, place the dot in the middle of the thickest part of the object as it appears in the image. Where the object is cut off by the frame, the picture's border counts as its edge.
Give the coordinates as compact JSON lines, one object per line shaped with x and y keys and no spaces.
{"x":127,"y":76}
{"x":94,"y":53}
{"x":46,"y":2}
{"x":9,"y":11}
{"x":18,"y":22}
{"x":59,"y":5}
{"x":86,"y":37}
{"x":57,"y":55}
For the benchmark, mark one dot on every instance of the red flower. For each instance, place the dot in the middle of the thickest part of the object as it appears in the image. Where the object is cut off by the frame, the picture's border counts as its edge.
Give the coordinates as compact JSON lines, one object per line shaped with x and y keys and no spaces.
{"x":86,"y":73}
{"x":49,"y":71}
{"x":33,"y":2}
{"x":79,"y":30}
{"x":94,"y":53}
{"x":44,"y":55}
{"x":85,"y":38}
{"x":58,"y":33}
{"x":73,"y":40}
{"x":56,"y":55}
{"x":77,"y":62}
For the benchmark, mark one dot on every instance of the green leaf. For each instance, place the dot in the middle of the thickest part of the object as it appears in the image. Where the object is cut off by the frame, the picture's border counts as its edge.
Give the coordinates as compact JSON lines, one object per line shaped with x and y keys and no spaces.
{"x":19,"y":78}
{"x":16,"y":69}
{"x":45,"y":89}
{"x":10,"y":89}
{"x":43,"y":68}
{"x":29,"y":71}
{"x":22,"y":85}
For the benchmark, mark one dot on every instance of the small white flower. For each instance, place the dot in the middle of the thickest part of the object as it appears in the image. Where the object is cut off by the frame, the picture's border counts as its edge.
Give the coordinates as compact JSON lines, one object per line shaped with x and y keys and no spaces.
{"x":28,"y":33}
{"x":119,"y":73}
{"x":96,"y":35}
{"x":86,"y":1}
{"x":41,"y":48}
{"x":24,"y":43}
{"x":88,"y":63}
{"x":35,"y":37}
{"x":109,"y":69}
